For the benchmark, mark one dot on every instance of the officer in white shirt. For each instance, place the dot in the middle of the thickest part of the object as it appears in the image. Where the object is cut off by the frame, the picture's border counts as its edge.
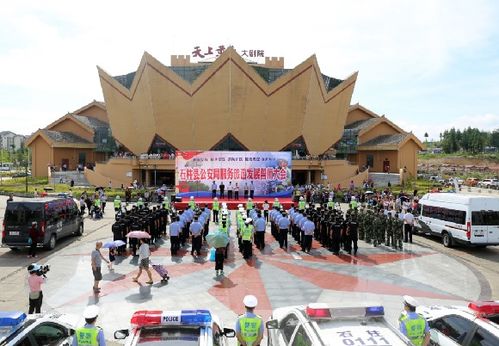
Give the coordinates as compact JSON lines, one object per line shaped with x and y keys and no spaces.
{"x":408,"y":226}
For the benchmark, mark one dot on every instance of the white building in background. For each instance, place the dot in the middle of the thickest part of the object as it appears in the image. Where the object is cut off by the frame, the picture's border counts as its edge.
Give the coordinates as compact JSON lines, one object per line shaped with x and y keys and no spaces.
{"x":11,"y":141}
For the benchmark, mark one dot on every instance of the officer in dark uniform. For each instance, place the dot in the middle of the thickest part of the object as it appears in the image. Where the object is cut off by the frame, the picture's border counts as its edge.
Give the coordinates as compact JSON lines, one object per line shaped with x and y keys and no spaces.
{"x":354,"y":234}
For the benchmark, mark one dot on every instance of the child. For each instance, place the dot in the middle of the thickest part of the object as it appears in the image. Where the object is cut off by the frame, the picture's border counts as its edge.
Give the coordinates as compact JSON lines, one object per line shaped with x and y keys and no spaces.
{"x":112,"y":257}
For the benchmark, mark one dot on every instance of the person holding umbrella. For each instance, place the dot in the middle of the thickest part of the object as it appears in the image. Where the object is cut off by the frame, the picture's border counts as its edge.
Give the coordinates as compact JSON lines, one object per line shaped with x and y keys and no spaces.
{"x":144,"y":254}
{"x":218,"y":240}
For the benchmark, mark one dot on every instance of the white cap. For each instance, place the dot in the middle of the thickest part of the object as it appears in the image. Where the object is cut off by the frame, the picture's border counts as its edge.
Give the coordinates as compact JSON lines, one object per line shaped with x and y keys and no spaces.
{"x":91,"y":311}
{"x":250,"y":301}
{"x":248,"y":220}
{"x":301,"y":198}
{"x":249,"y":199}
{"x":353,"y":198}
{"x":215,"y":199}
{"x":239,"y":205}
{"x":410,"y":301}
{"x":192,"y":197}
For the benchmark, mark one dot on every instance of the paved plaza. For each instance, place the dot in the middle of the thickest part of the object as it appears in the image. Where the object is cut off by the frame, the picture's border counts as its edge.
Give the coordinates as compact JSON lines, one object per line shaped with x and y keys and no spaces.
{"x":377,"y":275}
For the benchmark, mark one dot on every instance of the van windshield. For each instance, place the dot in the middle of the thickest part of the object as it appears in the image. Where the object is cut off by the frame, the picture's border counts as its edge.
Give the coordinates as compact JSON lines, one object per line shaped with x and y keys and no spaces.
{"x":485,"y":218}
{"x":19,"y":214}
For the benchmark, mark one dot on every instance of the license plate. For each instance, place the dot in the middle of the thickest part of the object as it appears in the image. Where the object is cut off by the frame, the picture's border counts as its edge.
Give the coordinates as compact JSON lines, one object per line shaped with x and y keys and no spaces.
{"x":479,"y":232}
{"x":14,"y":233}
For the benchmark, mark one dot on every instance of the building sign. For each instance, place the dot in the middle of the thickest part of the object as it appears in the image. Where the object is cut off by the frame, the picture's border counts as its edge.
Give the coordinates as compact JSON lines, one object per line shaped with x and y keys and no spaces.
{"x":214,"y":51}
{"x":270,"y":172}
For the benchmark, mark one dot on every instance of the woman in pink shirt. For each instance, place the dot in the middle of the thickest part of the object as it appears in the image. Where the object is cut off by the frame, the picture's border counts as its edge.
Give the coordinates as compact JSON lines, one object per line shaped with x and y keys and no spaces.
{"x":35,"y":281}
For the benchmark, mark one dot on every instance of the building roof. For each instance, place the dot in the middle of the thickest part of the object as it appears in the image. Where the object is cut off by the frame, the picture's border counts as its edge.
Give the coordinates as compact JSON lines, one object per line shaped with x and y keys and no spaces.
{"x":90,"y":121}
{"x":395,"y":139}
{"x":361,"y":124}
{"x":65,"y":137}
{"x":99,"y":104}
{"x":191,"y":72}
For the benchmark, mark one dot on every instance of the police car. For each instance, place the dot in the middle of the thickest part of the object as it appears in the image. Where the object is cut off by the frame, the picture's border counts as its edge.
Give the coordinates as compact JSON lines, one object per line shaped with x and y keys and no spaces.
{"x":183,"y":327}
{"x":319,"y":325}
{"x":49,"y":329}
{"x":477,"y":324}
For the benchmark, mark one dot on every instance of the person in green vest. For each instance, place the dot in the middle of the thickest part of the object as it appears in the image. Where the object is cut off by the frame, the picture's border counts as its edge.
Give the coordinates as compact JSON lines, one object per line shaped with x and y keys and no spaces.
{"x":166,"y":204}
{"x":247,"y":238}
{"x":215,"y":208}
{"x":192,"y":203}
{"x":276,"y":203}
{"x":140,"y":203}
{"x":117,"y":203}
{"x":302,"y":204}
{"x":249,"y":206}
{"x":412,"y":324}
{"x":249,"y":326}
{"x":353,"y":203}
{"x":89,"y":334}
{"x":330,"y":203}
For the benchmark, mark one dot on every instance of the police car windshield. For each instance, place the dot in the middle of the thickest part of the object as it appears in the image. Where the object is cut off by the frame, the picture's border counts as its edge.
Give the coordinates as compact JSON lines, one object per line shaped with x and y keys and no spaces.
{"x":358,"y":333}
{"x":181,"y":336}
{"x":6,"y":331}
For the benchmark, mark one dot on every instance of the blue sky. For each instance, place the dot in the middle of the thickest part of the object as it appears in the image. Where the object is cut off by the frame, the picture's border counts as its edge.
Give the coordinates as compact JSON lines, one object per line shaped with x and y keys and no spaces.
{"x":427,"y":65}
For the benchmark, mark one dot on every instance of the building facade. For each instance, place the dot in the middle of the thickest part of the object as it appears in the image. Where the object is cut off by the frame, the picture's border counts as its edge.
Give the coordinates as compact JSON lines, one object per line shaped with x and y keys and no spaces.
{"x":230,"y":104}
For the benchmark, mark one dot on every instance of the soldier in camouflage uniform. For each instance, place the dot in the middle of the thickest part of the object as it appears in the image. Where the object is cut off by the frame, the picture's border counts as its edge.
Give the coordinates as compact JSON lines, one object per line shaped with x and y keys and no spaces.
{"x":398,"y":232}
{"x":390,"y":226}
{"x":360,"y":221}
{"x":369,"y":226}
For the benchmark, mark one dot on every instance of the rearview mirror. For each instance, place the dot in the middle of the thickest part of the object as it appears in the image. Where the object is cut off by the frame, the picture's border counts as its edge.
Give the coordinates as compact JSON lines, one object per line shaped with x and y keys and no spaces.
{"x":230,"y":333}
{"x":272,"y":324}
{"x":121,"y":334}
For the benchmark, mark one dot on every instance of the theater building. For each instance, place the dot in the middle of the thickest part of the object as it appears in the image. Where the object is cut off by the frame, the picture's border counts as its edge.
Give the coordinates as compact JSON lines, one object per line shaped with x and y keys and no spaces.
{"x":228,"y":104}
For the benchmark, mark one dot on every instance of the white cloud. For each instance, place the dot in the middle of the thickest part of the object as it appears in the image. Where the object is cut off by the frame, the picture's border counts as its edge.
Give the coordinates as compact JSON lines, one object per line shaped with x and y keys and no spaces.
{"x":55,"y":45}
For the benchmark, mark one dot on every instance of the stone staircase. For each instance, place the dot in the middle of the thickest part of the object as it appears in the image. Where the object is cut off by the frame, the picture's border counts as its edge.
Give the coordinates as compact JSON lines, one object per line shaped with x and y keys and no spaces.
{"x":382,"y":179}
{"x":65,"y":178}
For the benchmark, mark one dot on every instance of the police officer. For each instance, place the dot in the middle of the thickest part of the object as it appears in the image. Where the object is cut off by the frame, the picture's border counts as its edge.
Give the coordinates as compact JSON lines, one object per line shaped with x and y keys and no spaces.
{"x":89,"y":334}
{"x":117,"y":204}
{"x":283,"y":224}
{"x":412,"y":324}
{"x":175,"y":228}
{"x":196,"y":228}
{"x":260,"y":225}
{"x":215,"y":207}
{"x":249,"y":326}
{"x":249,"y":206}
{"x":247,"y":237}
{"x":192,"y":203}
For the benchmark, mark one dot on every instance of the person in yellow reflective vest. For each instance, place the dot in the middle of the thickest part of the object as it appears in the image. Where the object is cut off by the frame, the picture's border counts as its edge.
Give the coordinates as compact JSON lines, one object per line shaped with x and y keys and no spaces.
{"x":302,"y":204}
{"x":140,"y":203}
{"x":330,"y":203}
{"x":249,"y":206}
{"x":117,"y":203}
{"x":166,"y":204}
{"x":412,"y":324}
{"x":249,"y":326}
{"x":89,"y":334}
{"x":215,"y":208}
{"x":276,"y":203}
{"x":192,"y":203}
{"x":247,"y":238}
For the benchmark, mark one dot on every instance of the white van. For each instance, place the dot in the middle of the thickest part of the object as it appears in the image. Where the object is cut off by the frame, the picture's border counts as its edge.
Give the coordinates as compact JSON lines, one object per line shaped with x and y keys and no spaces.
{"x":460,"y":218}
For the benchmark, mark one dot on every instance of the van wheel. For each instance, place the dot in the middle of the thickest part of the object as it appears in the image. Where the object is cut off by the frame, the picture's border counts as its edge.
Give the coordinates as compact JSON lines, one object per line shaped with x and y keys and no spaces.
{"x":447,"y":239}
{"x":52,"y":241}
{"x":79,"y":232}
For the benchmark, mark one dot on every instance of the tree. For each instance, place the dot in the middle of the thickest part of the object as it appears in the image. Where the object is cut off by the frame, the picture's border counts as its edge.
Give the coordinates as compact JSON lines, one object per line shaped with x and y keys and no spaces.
{"x":494,"y":138}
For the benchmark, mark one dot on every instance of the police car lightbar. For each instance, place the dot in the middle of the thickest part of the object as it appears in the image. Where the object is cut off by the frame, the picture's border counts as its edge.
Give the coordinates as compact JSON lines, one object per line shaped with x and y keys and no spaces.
{"x":485,"y":308}
{"x":321,"y":311}
{"x":11,"y":318}
{"x":177,"y":317}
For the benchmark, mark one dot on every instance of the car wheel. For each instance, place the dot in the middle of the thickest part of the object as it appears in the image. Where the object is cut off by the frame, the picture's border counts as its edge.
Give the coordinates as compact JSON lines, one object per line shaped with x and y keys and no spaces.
{"x":14,"y":248}
{"x":79,"y":232}
{"x":447,"y":239}
{"x":52,"y":242}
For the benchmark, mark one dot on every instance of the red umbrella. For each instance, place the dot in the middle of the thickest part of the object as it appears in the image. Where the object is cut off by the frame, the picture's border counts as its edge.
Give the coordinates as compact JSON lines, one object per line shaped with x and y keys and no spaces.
{"x":138,"y":234}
